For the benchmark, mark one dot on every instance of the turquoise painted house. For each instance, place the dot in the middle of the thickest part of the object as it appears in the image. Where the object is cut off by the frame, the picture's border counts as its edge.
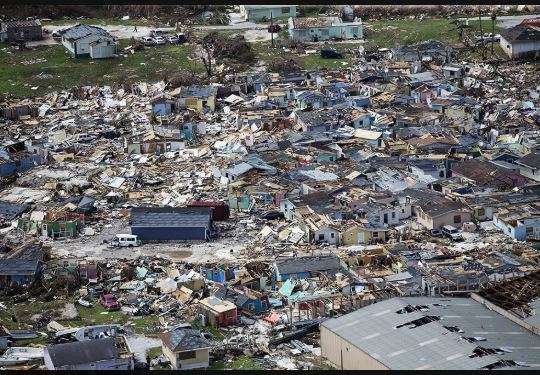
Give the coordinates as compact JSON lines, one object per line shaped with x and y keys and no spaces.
{"x":324,"y":28}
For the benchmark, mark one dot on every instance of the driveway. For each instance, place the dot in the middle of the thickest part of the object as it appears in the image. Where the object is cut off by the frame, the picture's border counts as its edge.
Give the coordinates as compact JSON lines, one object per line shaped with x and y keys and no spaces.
{"x":505,"y":22}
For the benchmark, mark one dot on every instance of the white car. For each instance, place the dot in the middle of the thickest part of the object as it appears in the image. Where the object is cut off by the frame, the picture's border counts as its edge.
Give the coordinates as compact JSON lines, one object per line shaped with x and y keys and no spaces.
{"x":159,"y":40}
{"x":147,"y":41}
{"x":452,"y":233}
{"x":173,"y":39}
{"x":126,"y":240}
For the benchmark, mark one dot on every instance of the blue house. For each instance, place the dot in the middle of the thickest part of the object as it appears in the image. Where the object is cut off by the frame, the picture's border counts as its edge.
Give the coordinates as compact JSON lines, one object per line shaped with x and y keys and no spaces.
{"x":18,"y":271}
{"x":162,"y":106}
{"x":217,"y":274}
{"x":305,"y":267}
{"x":247,"y":301}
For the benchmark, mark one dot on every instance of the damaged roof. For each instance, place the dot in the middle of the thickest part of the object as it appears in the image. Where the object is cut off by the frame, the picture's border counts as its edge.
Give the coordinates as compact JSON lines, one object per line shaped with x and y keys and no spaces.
{"x":184,"y":339}
{"x":521,"y":33}
{"x":411,"y":333}
{"x":82,"y":352}
{"x":81,"y":31}
{"x":307,"y":264}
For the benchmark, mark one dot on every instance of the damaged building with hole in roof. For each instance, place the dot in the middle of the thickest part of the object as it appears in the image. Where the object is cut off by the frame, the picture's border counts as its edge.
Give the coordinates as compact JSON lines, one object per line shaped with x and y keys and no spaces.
{"x":419,"y":333}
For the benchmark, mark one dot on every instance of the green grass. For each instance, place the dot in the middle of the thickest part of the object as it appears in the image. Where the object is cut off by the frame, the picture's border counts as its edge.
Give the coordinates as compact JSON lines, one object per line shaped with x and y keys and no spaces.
{"x":214,"y":331}
{"x":106,"y":21}
{"x":266,"y":53}
{"x":98,"y":315}
{"x":154,"y":352}
{"x":391,"y":33}
{"x":60,"y":71}
{"x":240,"y":363}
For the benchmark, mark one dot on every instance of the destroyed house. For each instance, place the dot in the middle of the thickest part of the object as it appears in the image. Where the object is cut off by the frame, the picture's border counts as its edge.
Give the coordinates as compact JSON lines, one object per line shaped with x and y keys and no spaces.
{"x":487,"y":175}
{"x":18,"y":271}
{"x":441,"y":212}
{"x":424,"y":333}
{"x":172,"y":223}
{"x":97,"y":354}
{"x":529,"y":165}
{"x":14,"y":31}
{"x":220,"y":210}
{"x":186,"y":348}
{"x":218,"y":312}
{"x":246,"y":301}
{"x":332,"y":119}
{"x":21,"y":266}
{"x":305,"y":267}
{"x":10,"y":211}
{"x":520,"y":41}
{"x":198,"y":98}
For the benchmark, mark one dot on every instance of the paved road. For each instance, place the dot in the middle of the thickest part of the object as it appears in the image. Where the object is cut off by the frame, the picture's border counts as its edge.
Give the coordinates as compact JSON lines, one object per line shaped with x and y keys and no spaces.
{"x":505,"y":21}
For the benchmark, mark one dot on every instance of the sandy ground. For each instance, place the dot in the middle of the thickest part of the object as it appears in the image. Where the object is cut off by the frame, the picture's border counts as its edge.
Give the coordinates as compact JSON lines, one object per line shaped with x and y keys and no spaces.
{"x":93,"y":247}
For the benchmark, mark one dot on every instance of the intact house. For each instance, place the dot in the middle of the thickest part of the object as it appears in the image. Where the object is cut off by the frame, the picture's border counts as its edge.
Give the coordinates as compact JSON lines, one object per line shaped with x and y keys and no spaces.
{"x":521,"y":41}
{"x":436,"y":214}
{"x":520,"y":222}
{"x":254,"y":13}
{"x":529,"y":165}
{"x":218,"y":312}
{"x":89,"y":41}
{"x":14,"y":31}
{"x":305,"y":267}
{"x":111,"y":353}
{"x":186,"y":348}
{"x":172,"y":223}
{"x":198,"y":98}
{"x":320,"y":29}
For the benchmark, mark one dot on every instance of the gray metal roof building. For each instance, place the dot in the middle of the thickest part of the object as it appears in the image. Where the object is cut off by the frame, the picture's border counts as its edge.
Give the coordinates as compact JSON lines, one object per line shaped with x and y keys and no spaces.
{"x":428,"y":333}
{"x":171,"y":223}
{"x":82,"y":31}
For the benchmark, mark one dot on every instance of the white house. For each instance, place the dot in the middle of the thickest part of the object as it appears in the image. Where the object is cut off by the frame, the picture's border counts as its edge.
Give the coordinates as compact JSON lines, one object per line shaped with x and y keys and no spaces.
{"x":89,"y":41}
{"x":255,"y":13}
{"x":324,"y":28}
{"x":520,"y":40}
{"x":521,"y":222}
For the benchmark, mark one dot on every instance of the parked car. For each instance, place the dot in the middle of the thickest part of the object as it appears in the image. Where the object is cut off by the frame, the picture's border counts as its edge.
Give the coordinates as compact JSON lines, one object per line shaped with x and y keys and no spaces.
{"x":452,"y":232}
{"x":330,"y":53}
{"x":173,"y":39}
{"x":147,"y":41}
{"x":436,"y":233}
{"x":109,"y":302}
{"x":159,"y":40}
{"x":272,"y":215}
{"x":125,"y":240}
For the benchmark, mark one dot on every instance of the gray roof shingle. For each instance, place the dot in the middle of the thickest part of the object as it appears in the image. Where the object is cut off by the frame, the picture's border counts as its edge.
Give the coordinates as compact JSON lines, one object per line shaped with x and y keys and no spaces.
{"x":171,"y":217}
{"x":74,"y":353}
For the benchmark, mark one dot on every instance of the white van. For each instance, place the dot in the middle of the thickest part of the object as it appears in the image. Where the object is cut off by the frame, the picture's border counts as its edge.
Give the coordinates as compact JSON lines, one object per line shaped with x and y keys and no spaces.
{"x":126,"y":240}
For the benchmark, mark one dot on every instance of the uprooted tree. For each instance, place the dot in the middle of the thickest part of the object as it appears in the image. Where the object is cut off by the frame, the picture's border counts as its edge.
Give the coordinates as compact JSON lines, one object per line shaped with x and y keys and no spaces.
{"x":215,"y":48}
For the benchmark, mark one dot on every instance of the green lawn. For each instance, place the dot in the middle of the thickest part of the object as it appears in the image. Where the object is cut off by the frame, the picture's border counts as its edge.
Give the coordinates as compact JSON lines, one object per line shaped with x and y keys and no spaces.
{"x":390,"y":33}
{"x":98,"y":315}
{"x":266,"y":53}
{"x":240,"y":363}
{"x":107,"y":21}
{"x":51,"y":68}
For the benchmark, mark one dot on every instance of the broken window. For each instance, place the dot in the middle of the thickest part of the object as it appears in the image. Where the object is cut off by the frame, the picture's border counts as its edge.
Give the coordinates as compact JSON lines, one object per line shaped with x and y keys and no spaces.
{"x":420,"y":322}
{"x":457,"y":219}
{"x":411,"y":308}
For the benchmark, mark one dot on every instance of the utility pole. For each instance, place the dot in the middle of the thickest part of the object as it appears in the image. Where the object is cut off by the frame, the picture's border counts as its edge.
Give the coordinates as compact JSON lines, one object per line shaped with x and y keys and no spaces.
{"x":493,"y":18}
{"x":272,"y":27}
{"x":481,"y":34}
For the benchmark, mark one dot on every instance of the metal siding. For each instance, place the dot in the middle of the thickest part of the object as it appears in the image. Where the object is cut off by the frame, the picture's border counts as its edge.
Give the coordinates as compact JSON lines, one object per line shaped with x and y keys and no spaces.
{"x":169,"y":234}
